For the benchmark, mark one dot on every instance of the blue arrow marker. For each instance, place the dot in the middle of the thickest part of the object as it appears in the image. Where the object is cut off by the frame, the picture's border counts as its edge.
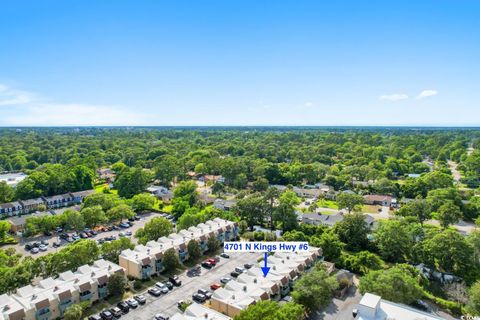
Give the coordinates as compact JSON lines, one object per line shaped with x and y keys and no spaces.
{"x":265,"y":269}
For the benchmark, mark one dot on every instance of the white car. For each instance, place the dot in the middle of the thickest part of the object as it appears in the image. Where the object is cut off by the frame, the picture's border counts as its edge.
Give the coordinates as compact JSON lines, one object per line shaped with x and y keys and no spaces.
{"x":132,"y":303}
{"x":224,"y":280}
{"x":163,"y":288}
{"x":34,"y":250}
{"x":42,"y":247}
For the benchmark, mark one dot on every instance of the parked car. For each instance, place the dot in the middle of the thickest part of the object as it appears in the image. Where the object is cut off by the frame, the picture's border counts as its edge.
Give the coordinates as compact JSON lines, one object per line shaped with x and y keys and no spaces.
{"x":116,"y":312}
{"x":215,"y":286}
{"x":106,"y":315}
{"x":240,"y":269}
{"x":115,"y":227}
{"x":58,"y":230}
{"x":42,"y":247}
{"x":140,"y":299}
{"x":36,"y":244}
{"x":155,"y":292}
{"x":122,"y":305}
{"x":248,"y":265}
{"x":212,"y":261}
{"x":224,"y":280}
{"x":206,"y":293}
{"x":124,"y":225}
{"x":132,"y":303}
{"x":169,"y":285}
{"x":207,"y":264}
{"x":128,"y":233}
{"x":163,"y":288}
{"x":121,"y":235}
{"x":234,"y":274}
{"x":421,"y":305}
{"x":160,"y":316}
{"x":69,"y":239}
{"x":198,"y":297}
{"x":44,"y":242}
{"x":83,"y":235}
{"x":75,"y":237}
{"x":136,"y":218}
{"x":95,"y":317}
{"x":34,"y":250}
{"x":28,"y":246}
{"x":64,"y":236}
{"x":56,"y":244}
{"x":175,"y":280}
{"x":48,"y":233}
{"x":100,"y":241}
{"x":224,"y":255}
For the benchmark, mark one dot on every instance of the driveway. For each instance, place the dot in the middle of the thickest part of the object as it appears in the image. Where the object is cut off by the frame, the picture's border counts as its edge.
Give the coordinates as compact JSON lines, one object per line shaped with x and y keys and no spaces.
{"x":167,"y":304}
{"x":341,"y":309}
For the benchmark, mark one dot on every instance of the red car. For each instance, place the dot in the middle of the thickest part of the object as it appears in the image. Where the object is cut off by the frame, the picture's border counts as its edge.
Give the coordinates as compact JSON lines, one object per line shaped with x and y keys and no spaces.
{"x":215,"y":286}
{"x":213,"y":262}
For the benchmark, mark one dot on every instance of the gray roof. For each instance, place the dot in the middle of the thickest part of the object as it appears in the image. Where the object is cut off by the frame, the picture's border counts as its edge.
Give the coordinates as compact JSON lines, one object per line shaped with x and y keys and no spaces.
{"x":32,"y":201}
{"x":20,"y":220}
{"x":14,"y":204}
{"x":329,"y":219}
{"x":59,"y":197}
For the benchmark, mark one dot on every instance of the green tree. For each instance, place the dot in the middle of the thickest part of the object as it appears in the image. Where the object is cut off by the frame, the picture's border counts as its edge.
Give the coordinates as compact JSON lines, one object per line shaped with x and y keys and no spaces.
{"x":194,"y":251}
{"x":330,"y":243}
{"x":93,"y":216}
{"x":73,"y":312}
{"x":153,"y":230}
{"x":271,"y":310}
{"x":349,"y":201}
{"x":106,"y":201}
{"x":251,"y":209}
{"x":418,"y":208}
{"x":361,"y":262}
{"x":314,"y":290}
{"x":6,"y":192}
{"x":448,"y":214}
{"x":393,"y":241}
{"x":131,"y":181}
{"x":190,"y":218}
{"x":473,"y":305}
{"x":186,"y":190}
{"x":285,"y":211}
{"x":166,"y":169}
{"x":120,"y":212}
{"x":73,"y":220}
{"x":260,"y":185}
{"x":213,"y":244}
{"x":112,"y":249}
{"x":143,"y":202}
{"x":170,"y":260}
{"x":4,"y":228}
{"x":397,"y":284}
{"x":353,"y":231}
{"x":271,"y":195}
{"x":117,"y":284}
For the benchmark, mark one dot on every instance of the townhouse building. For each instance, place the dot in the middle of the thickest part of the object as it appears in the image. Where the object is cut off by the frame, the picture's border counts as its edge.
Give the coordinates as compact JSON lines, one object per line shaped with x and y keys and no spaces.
{"x":145,"y":261}
{"x":52,"y":296}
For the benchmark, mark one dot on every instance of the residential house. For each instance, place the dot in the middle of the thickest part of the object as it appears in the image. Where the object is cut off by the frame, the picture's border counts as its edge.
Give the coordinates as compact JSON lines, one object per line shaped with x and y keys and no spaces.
{"x":330,"y":219}
{"x":377,"y":199}
{"x":106,"y":174}
{"x":58,"y":201}
{"x":223,"y":204}
{"x":31,"y":205}
{"x":17,"y":223}
{"x":373,"y":307}
{"x":10,"y":209}
{"x":77,"y":197}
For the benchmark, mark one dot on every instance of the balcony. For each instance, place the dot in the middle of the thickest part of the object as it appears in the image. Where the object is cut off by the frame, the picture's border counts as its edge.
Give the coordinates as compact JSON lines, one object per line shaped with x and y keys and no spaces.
{"x":43,"y":314}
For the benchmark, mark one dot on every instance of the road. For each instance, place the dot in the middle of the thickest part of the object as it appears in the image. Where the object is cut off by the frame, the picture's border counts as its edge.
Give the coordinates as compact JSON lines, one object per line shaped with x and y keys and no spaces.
{"x":167,"y":304}
{"x":341,"y":309}
{"x":456,"y":174}
{"x":20,"y":246}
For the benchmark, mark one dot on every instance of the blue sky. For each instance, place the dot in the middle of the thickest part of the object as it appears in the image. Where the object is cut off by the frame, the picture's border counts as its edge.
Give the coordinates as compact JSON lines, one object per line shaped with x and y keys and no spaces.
{"x":239,"y":62}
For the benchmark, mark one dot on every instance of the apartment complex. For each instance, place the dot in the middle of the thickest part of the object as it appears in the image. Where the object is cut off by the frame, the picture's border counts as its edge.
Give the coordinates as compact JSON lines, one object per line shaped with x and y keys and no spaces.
{"x":21,"y":207}
{"x":250,"y":287}
{"x":146,"y":260}
{"x":197,"y":311}
{"x":52,"y":296}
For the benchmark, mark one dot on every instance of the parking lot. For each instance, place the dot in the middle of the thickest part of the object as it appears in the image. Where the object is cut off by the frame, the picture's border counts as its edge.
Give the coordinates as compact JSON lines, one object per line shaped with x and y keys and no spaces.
{"x":20,"y":247}
{"x":166,"y":304}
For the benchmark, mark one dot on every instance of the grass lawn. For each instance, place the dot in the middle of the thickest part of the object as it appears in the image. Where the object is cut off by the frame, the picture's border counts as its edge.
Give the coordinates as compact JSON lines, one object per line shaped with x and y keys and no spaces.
{"x":327,"y":204}
{"x":99,"y":188}
{"x":370,"y":209}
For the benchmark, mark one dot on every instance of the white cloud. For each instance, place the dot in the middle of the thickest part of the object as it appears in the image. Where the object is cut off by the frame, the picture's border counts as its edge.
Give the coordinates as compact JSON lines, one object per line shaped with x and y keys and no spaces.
{"x":10,"y":97}
{"x":393,"y":97}
{"x":427,"y":93}
{"x":28,"y":110}
{"x":308,"y":104}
